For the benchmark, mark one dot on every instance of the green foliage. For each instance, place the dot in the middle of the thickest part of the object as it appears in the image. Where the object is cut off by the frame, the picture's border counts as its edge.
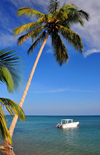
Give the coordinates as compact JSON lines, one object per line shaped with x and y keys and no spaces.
{"x":10,"y":71}
{"x":27,"y":27}
{"x":60,"y":51}
{"x":73,"y":38}
{"x":25,"y":11}
{"x":3,"y":127}
{"x":33,"y":34}
{"x":53,"y":6}
{"x":57,"y":22}
{"x":10,"y":74}
{"x":12,"y":108}
{"x":7,"y":78}
{"x":39,"y":40}
{"x":75,"y":15}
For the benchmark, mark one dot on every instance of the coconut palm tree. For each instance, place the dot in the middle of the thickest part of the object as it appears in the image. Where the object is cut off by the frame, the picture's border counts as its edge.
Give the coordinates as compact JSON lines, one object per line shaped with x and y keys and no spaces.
{"x":10,"y":74}
{"x":56,"y":24}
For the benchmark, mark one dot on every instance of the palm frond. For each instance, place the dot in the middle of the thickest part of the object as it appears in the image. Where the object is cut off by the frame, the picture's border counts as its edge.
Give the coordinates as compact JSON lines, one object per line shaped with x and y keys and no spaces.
{"x":69,"y":7}
{"x":38,"y":40}
{"x":44,"y":18}
{"x":84,"y":14}
{"x":3,"y":129}
{"x":75,"y":15}
{"x":60,"y":15}
{"x":27,"y":27}
{"x":2,"y":112}
{"x":60,"y":51}
{"x":25,"y":11}
{"x":73,"y":38}
{"x":68,"y":14}
{"x":7,"y":78}
{"x":10,"y":70}
{"x":53,"y":6}
{"x":13,"y":108}
{"x":34,"y":33}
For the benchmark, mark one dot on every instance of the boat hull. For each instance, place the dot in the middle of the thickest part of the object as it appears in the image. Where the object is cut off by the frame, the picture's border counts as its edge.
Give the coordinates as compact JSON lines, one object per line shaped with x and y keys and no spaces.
{"x":70,"y":125}
{"x":67,"y":125}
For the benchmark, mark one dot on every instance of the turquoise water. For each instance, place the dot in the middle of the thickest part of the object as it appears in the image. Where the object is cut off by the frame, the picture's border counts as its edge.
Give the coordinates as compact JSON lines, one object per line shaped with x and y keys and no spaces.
{"x":38,"y":136}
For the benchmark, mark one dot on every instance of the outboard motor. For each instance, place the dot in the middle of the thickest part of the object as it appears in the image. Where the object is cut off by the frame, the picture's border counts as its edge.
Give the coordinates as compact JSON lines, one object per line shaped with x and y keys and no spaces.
{"x":59,"y":125}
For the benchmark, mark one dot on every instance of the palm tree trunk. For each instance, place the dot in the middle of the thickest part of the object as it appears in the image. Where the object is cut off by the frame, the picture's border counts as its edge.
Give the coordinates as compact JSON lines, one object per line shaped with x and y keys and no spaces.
{"x":14,"y":121}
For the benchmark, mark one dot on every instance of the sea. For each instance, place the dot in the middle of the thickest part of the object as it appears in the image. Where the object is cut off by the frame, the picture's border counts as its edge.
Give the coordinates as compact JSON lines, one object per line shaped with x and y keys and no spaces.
{"x":38,"y":135}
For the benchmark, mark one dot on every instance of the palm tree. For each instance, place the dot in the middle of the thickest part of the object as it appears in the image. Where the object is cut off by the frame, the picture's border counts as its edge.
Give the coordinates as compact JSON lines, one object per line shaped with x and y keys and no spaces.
{"x":57,"y":24}
{"x":10,"y":74}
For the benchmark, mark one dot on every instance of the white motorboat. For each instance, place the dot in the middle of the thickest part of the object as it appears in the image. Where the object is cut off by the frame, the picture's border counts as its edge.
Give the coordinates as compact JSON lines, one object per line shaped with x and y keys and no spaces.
{"x":67,"y":123}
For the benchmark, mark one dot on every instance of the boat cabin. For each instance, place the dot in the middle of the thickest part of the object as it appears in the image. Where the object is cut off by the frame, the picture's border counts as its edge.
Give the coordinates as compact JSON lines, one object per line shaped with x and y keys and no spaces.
{"x":66,"y":121}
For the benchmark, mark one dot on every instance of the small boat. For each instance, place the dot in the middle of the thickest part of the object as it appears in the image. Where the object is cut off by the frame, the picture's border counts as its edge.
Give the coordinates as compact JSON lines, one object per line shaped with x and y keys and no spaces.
{"x":67,"y":123}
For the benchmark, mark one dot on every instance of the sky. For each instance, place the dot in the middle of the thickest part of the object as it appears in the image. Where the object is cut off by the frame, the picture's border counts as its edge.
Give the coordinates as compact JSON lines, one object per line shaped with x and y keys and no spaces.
{"x":72,"y":89}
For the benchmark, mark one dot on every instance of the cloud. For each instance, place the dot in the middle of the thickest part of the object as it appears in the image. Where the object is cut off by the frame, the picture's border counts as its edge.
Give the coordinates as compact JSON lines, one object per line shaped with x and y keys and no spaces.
{"x":30,"y":3}
{"x":63,"y":90}
{"x":52,"y":91}
{"x":91,"y":52}
{"x":49,"y":51}
{"x":7,"y":40}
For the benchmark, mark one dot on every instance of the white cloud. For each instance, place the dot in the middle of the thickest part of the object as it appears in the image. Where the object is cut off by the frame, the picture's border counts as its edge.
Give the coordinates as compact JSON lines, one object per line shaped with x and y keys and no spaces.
{"x":7,"y":40}
{"x":52,"y":91}
{"x":49,"y":51}
{"x":30,"y":3}
{"x":63,"y":90}
{"x":91,"y":52}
